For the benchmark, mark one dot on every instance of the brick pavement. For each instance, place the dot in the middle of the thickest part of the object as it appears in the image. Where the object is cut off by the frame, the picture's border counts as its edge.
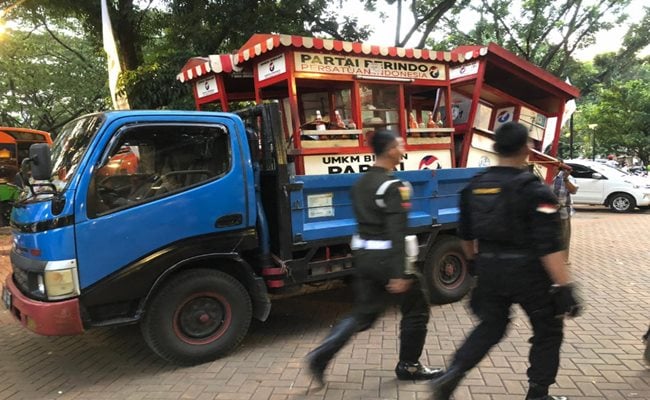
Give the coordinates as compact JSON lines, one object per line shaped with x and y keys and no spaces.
{"x":601,"y":356}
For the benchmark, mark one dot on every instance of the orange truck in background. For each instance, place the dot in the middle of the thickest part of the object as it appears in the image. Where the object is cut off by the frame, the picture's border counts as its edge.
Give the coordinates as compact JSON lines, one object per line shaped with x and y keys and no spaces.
{"x":14,"y":148}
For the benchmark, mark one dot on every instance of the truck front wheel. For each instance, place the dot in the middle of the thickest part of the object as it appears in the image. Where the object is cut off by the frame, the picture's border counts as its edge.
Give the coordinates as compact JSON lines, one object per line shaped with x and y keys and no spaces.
{"x":445,"y":270}
{"x":197,"y":316}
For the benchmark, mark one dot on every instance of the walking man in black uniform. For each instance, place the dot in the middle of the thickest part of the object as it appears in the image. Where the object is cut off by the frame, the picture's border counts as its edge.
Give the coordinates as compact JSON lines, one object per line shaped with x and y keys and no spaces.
{"x":381,"y":203}
{"x":510,"y":227}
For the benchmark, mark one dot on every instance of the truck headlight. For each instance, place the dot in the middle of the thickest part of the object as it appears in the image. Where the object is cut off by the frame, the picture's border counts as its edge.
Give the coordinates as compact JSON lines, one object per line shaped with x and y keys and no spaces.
{"x":61,"y":279}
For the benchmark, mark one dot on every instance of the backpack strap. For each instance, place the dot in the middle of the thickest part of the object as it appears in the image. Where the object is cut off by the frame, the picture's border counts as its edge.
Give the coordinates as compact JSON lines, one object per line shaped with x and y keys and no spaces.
{"x":522,"y":180}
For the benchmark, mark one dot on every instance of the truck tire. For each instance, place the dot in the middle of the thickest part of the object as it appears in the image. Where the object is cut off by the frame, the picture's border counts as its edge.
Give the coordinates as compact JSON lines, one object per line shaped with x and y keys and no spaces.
{"x":446,"y":271}
{"x":622,"y":202}
{"x":197,"y":316}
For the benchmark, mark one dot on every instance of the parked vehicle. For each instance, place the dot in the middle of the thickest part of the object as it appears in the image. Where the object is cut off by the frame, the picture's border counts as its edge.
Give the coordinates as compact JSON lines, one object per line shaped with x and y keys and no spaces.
{"x":610,"y":186}
{"x":192,"y":243}
{"x":14,"y":147}
{"x":638,"y":170}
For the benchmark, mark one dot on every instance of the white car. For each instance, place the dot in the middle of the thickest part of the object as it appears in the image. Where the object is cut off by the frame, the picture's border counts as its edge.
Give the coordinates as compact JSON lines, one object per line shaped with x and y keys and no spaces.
{"x":603,"y":184}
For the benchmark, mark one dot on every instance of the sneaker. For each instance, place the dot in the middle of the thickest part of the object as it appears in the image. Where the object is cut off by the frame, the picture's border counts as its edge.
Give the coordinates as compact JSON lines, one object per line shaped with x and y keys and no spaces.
{"x":408,"y":371}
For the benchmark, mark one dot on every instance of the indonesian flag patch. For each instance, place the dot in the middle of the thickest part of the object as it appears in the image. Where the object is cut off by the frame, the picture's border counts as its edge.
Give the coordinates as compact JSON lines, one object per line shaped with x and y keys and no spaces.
{"x":405,"y":193}
{"x":547,"y":208}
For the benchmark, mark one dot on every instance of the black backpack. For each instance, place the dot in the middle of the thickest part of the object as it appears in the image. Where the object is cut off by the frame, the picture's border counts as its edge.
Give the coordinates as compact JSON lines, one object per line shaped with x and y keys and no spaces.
{"x":498,"y":210}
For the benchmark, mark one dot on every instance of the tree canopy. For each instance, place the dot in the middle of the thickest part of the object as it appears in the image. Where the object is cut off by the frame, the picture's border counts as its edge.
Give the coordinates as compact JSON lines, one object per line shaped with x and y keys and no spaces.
{"x":49,"y":75}
{"x":155,"y":39}
{"x":53,"y":68}
{"x":619,"y":119}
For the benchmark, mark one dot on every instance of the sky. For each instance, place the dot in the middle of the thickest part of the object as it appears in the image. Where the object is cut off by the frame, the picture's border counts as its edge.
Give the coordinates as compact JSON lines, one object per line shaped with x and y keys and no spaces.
{"x":605,"y":41}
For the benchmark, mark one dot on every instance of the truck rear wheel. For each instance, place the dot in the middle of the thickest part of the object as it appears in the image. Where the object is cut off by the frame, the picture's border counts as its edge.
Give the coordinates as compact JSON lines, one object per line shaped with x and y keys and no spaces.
{"x":197,"y":316}
{"x":445,"y":270}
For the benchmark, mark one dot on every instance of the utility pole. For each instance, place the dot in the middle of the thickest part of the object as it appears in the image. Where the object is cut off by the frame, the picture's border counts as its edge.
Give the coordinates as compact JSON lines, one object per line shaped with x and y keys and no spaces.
{"x":593,"y":140}
{"x":571,"y":137}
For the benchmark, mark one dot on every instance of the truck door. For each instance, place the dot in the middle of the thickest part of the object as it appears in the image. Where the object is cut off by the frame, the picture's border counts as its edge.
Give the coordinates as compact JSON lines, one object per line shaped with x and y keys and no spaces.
{"x":157,"y":185}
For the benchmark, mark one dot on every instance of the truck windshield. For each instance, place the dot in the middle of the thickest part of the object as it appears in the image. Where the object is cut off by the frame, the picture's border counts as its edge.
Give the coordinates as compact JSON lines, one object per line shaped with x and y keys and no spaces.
{"x":70,"y":146}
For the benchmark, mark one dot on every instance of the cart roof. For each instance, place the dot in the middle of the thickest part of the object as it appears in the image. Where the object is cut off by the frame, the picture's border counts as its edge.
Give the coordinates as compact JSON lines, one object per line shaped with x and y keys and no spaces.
{"x":260,"y":43}
{"x":511,"y":72}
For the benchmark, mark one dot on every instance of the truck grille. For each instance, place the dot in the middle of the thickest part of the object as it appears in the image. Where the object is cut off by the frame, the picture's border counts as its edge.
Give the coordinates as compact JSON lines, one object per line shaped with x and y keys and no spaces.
{"x":25,"y":274}
{"x":22,"y":279}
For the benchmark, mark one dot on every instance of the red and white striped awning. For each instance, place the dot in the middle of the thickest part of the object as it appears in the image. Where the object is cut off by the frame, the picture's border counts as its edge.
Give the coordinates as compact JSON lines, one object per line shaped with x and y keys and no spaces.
{"x":198,"y":66}
{"x":261,"y":43}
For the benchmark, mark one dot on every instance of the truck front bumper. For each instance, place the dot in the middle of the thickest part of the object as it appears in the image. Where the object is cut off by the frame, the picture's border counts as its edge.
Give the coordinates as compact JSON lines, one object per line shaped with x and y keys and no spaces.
{"x":57,"y":318}
{"x":643,"y":200}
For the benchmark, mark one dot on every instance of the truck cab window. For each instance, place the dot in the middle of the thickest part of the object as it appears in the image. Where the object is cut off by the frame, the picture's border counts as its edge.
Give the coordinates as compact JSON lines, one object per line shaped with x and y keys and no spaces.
{"x":154,"y":161}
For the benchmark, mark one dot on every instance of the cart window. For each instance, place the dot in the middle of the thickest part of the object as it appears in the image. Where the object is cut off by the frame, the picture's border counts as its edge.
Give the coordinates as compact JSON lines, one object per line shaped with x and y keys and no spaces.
{"x":327,"y":119}
{"x":483,"y":116}
{"x":379,"y":108}
{"x":534,"y":121}
{"x":426,"y":123}
{"x":460,"y":107}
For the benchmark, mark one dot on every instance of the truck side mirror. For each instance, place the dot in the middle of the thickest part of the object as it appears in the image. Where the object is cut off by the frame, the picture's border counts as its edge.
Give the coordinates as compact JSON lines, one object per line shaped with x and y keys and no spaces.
{"x":39,"y":155}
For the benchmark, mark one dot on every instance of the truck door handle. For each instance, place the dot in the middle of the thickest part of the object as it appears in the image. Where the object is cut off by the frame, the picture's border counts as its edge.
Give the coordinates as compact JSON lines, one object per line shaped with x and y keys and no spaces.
{"x":228,"y":220}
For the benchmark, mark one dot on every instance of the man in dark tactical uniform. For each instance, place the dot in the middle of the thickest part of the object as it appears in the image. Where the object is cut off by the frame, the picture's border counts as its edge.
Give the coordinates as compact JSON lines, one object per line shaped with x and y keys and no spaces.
{"x":510,"y":227}
{"x":381,"y":203}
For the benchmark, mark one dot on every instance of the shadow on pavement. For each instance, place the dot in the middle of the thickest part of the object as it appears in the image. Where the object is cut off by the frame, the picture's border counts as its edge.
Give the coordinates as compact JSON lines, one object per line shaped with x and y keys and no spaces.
{"x":102,"y":356}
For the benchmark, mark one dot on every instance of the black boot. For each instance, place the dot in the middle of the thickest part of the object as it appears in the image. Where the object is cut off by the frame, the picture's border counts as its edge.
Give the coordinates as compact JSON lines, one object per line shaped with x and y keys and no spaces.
{"x":318,"y":358}
{"x":548,"y":397}
{"x":445,"y":384}
{"x":409,"y":371}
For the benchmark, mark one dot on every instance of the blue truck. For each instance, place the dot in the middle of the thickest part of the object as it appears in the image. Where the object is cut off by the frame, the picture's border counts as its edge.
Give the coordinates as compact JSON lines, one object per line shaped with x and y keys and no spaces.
{"x":189,"y":224}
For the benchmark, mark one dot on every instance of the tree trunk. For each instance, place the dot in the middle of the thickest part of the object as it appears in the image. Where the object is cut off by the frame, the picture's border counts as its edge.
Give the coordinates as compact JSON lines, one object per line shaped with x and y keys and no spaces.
{"x":127,"y":36}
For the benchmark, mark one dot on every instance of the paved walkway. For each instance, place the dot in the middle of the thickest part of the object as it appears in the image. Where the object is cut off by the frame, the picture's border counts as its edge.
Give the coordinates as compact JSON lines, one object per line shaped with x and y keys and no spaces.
{"x":601,"y":357}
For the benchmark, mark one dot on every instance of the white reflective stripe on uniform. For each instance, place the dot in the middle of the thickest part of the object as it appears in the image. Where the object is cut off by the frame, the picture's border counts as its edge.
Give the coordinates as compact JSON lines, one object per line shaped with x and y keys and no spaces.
{"x":357,"y":243}
{"x":381,"y":190}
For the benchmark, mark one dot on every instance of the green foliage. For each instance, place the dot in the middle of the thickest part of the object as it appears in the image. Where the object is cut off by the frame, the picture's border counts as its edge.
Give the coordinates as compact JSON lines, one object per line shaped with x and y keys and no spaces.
{"x":619,"y":117}
{"x":155,"y":39}
{"x":49,"y":76}
{"x":545,"y":32}
{"x":154,"y":86}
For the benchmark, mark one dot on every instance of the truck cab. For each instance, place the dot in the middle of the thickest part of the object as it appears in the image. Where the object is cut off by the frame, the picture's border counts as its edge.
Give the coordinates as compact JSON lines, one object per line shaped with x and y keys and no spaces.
{"x":90,"y":248}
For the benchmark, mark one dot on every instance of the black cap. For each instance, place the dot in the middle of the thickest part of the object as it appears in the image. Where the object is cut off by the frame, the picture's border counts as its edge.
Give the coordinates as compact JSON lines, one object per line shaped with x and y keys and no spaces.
{"x":509,"y":138}
{"x":381,"y":141}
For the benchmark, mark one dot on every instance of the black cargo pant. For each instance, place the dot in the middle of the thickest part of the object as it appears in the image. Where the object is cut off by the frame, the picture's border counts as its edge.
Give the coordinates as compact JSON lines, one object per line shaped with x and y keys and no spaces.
{"x":371,"y":301}
{"x":502,"y":281}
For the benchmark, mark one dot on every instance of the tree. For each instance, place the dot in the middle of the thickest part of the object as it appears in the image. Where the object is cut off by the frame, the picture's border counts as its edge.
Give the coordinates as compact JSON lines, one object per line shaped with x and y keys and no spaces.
{"x":615,"y":66}
{"x":546,"y":32}
{"x":426,"y":15}
{"x":49,"y":76}
{"x":155,"y":38}
{"x":619,"y":118}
